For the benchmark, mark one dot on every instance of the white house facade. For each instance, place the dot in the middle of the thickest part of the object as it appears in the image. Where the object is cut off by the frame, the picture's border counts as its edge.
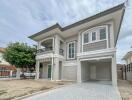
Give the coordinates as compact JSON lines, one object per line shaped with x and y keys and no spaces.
{"x":127,"y":69}
{"x":2,"y":60}
{"x":83,"y":51}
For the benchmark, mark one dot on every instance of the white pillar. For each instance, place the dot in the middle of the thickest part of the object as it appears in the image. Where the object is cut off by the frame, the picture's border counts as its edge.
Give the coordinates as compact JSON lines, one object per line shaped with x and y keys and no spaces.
{"x":18,"y":73}
{"x":79,"y":80}
{"x":56,"y":44}
{"x":79,"y":43}
{"x":56,"y":69}
{"x":114,"y":71}
{"x":52,"y":67}
{"x":37,"y":70}
{"x":10,"y":73}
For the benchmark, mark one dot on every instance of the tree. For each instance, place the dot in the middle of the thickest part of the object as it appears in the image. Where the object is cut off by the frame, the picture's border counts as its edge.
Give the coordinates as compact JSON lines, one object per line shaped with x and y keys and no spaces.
{"x":21,"y":55}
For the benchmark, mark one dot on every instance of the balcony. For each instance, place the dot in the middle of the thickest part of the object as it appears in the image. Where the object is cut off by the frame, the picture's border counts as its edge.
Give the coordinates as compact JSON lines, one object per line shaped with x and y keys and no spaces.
{"x":44,"y":50}
{"x":47,"y":46}
{"x":49,"y":50}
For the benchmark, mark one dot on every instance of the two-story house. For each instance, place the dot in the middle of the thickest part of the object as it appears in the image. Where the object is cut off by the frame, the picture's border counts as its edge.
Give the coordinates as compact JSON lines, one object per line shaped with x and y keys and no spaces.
{"x":82,"y":51}
{"x":127,"y":68}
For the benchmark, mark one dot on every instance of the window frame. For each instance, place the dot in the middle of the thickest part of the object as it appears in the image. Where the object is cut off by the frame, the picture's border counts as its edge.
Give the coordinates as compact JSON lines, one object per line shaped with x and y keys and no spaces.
{"x":97,"y":30}
{"x":105,"y":34}
{"x":95,"y":36}
{"x":74,"y":42}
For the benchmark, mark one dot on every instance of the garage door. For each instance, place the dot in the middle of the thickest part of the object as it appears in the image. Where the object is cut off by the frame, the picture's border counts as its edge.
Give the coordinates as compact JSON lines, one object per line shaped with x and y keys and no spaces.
{"x":70,"y":72}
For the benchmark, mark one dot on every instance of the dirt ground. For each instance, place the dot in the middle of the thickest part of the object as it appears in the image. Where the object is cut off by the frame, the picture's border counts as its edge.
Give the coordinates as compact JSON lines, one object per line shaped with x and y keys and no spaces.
{"x":10,"y":89}
{"x":125,"y":88}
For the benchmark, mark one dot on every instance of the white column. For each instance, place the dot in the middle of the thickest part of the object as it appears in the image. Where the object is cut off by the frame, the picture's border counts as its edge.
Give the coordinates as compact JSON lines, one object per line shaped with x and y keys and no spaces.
{"x":52,"y":67}
{"x":79,"y":80}
{"x":10,"y":73}
{"x":114,"y":71}
{"x":57,"y":44}
{"x":37,"y":70}
{"x":56,"y":69}
{"x":18,"y":73}
{"x":79,"y":44}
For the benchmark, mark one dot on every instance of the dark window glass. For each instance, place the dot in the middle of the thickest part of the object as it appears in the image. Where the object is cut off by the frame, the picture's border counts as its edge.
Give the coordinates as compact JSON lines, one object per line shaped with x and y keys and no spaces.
{"x":93,"y":36}
{"x":71,"y":50}
{"x":102,"y":33}
{"x":86,"y":38}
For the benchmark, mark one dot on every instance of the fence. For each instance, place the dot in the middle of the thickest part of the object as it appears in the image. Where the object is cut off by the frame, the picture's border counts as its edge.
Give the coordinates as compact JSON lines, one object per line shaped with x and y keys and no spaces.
{"x":5,"y":73}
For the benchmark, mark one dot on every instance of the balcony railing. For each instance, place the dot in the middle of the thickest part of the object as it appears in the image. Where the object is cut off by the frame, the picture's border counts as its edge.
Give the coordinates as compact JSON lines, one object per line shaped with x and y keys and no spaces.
{"x":49,"y":50}
{"x":44,"y":50}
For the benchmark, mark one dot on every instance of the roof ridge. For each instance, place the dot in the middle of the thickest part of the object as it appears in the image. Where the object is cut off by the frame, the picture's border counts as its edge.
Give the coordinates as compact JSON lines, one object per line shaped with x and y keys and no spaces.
{"x":102,"y":13}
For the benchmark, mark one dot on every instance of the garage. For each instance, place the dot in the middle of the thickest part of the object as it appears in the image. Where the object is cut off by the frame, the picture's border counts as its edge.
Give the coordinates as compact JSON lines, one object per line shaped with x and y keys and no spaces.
{"x":96,"y":70}
{"x":70,"y":72}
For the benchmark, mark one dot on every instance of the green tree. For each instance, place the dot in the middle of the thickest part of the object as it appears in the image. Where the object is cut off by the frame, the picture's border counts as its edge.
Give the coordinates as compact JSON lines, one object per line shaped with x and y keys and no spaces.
{"x":21,"y":55}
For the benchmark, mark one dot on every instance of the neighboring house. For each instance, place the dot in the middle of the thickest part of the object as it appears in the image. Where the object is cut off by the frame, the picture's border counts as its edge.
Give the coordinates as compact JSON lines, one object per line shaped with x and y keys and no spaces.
{"x":127,"y":70}
{"x":83,"y":51}
{"x":2,"y":60}
{"x":120,"y":71}
{"x":6,"y":70}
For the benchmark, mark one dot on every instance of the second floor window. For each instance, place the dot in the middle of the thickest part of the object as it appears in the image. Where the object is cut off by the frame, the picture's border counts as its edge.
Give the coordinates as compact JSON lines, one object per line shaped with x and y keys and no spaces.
{"x":93,"y":36}
{"x":71,"y":50}
{"x":102,"y":33}
{"x":86,"y":38}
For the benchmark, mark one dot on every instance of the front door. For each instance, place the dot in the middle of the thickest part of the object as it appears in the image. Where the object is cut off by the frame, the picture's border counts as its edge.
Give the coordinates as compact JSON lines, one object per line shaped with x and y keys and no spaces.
{"x":49,"y":71}
{"x":93,"y":72}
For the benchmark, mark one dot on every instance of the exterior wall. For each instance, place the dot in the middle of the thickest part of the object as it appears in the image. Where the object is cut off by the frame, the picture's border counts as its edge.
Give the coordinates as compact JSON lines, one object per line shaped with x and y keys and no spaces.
{"x":56,"y":69}
{"x":103,"y":71}
{"x":44,"y":70}
{"x":128,"y":68}
{"x":129,"y":76}
{"x":69,"y":70}
{"x":69,"y":73}
{"x":95,"y":46}
{"x":85,"y":71}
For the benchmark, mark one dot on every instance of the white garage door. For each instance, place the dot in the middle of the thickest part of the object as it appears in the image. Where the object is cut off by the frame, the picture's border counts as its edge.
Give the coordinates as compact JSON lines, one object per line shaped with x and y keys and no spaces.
{"x":70,"y":72}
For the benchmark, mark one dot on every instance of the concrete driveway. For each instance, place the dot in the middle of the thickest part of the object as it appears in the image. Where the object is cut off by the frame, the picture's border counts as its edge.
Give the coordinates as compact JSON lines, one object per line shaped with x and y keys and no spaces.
{"x":83,"y":91}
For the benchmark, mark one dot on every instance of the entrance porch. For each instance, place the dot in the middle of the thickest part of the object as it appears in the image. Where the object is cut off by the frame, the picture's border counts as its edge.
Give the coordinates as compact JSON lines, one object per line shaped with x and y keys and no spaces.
{"x":49,"y":68}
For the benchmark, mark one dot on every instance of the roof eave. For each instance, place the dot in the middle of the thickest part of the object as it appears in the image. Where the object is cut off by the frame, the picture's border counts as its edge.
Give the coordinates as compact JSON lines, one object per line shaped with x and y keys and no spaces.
{"x":45,"y":30}
{"x":120,"y":26}
{"x":111,"y":10}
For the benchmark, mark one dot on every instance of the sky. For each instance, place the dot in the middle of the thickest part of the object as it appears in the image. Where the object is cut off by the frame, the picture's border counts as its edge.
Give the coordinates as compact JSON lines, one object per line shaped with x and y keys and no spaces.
{"x":22,"y":18}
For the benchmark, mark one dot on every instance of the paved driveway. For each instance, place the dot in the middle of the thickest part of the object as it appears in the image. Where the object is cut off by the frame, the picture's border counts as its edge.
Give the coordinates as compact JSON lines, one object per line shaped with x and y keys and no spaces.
{"x":83,"y":91}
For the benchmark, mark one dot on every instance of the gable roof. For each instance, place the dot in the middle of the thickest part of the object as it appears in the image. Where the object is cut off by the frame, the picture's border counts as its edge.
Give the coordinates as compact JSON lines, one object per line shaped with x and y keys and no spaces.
{"x":128,"y":54}
{"x":82,"y":21}
{"x":2,"y":49}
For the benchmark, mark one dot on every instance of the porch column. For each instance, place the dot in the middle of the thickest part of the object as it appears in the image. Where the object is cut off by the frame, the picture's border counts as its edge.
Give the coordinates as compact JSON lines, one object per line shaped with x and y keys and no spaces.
{"x":52,"y":66}
{"x":37,"y":70}
{"x":56,"y":69}
{"x":79,"y":80}
{"x":114,"y":71}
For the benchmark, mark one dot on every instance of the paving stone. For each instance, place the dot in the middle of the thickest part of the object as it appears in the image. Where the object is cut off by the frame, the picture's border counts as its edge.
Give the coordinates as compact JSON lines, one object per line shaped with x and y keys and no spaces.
{"x":82,"y":91}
